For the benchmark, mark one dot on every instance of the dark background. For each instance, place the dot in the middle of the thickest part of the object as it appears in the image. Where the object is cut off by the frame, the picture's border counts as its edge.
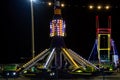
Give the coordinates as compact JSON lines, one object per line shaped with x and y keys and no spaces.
{"x":80,"y":25}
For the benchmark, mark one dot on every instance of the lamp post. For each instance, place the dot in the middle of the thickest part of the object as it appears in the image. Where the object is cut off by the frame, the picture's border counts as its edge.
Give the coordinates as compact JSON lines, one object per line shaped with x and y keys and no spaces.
{"x":32,"y":29}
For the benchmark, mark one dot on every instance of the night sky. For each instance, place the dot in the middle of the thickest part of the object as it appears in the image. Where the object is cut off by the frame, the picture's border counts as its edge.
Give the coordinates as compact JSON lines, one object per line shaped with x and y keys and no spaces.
{"x":80,"y":25}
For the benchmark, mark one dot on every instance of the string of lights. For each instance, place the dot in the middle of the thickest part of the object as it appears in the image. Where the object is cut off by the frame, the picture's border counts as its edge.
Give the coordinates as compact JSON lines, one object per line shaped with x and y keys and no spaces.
{"x":93,"y":5}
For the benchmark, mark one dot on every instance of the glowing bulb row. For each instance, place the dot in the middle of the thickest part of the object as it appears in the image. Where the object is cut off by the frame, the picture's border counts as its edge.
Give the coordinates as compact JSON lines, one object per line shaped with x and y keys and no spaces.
{"x":99,"y":7}
{"x":50,"y":4}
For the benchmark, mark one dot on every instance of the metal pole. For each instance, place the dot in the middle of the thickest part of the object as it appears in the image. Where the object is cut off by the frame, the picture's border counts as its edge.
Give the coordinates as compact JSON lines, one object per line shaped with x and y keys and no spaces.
{"x":32,"y":25}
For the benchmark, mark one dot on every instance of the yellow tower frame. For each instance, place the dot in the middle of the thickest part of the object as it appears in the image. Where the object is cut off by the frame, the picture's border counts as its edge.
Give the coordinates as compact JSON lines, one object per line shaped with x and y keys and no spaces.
{"x":107,"y":49}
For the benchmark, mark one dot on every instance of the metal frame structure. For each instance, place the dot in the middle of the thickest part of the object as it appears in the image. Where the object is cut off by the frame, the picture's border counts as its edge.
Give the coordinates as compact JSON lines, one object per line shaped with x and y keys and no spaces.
{"x":104,"y":45}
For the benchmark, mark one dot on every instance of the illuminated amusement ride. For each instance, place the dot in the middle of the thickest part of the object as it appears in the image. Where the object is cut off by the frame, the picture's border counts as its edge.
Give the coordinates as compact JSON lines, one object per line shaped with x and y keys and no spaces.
{"x":58,"y":56}
{"x":104,"y":52}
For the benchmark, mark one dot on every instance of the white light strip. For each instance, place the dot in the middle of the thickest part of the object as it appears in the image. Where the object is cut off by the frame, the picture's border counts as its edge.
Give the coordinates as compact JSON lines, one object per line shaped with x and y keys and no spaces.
{"x":51,"y":54}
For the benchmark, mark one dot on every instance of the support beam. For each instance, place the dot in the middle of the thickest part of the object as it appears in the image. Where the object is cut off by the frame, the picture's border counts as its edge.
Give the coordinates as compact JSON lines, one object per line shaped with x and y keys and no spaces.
{"x":49,"y":59}
{"x":70,"y":58}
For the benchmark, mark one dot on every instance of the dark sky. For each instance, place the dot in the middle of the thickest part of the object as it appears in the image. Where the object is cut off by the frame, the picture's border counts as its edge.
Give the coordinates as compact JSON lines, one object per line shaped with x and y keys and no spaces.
{"x":80,"y":25}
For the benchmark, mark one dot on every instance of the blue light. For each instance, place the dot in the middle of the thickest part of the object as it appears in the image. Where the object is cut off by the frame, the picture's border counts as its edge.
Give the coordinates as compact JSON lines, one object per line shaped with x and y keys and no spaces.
{"x":32,"y":0}
{"x":14,"y":73}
